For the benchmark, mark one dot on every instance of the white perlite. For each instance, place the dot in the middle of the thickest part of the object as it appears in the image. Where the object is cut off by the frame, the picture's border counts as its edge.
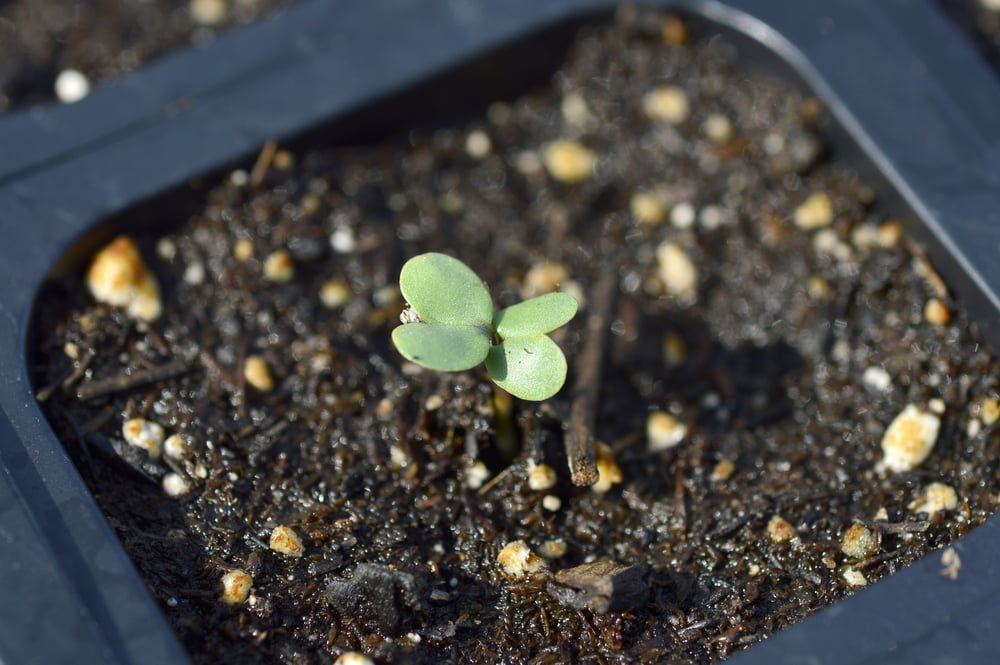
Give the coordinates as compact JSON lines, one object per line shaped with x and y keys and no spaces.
{"x":236,"y":587}
{"x":568,"y":161}
{"x":353,"y":658}
{"x":858,"y":542}
{"x":208,"y":12}
{"x":647,"y":208}
{"x":476,"y":475}
{"x":517,"y":559}
{"x":574,"y":110}
{"x":666,"y":103}
{"x":779,"y":530}
{"x":951,"y":564}
{"x":543,"y":277}
{"x":194,"y":274}
{"x":175,"y":485}
{"x":478,"y":144}
{"x":815,"y":212}
{"x":663,"y":431}
{"x":144,"y":434}
{"x":541,"y":477}
{"x":334,"y":293}
{"x":177,"y":446}
{"x":257,"y":373}
{"x":342,"y":240}
{"x":71,"y":86}
{"x":609,"y":473}
{"x":554,"y":549}
{"x":909,"y":439}
{"x":118,"y":276}
{"x":855,"y":577}
{"x":279,"y":267}
{"x":682,"y":215}
{"x":285,"y":541}
{"x":937,"y":497}
{"x":876,"y":378}
{"x":718,"y":128}
{"x":677,"y":272}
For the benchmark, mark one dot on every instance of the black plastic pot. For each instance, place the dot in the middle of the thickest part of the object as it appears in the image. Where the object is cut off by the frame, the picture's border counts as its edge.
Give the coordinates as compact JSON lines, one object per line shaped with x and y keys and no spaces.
{"x":917,"y":110}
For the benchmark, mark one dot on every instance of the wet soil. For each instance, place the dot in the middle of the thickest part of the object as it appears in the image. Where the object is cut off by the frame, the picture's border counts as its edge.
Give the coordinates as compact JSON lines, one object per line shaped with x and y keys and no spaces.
{"x":102,"y":39}
{"x":368,"y":458}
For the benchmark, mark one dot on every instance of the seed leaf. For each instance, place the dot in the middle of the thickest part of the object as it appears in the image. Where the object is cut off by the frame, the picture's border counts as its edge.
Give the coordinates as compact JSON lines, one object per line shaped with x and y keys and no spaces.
{"x":531,"y":368}
{"x":442,"y":347}
{"x":536,"y":316}
{"x":442,"y":289}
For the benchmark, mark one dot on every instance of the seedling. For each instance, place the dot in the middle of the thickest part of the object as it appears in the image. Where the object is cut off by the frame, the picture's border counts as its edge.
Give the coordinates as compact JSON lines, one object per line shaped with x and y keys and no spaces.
{"x":449,"y":326}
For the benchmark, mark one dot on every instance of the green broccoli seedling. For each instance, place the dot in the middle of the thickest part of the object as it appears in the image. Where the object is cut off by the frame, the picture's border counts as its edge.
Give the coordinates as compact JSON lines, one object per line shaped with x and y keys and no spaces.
{"x":449,"y":326}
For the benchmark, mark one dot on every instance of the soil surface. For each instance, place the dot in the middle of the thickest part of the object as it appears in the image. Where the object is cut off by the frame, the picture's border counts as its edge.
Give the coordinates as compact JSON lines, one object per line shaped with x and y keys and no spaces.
{"x":101,"y":39}
{"x":378,"y":466}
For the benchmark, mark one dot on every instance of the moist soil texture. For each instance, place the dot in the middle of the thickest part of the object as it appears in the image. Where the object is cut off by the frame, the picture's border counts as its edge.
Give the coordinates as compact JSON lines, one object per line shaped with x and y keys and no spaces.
{"x":767,"y":323}
{"x":101,"y":39}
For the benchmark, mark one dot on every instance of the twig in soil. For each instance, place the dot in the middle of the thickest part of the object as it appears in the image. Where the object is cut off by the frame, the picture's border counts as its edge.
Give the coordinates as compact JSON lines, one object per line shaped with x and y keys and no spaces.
{"x":155,"y":337}
{"x":99,"y":420}
{"x":79,"y":370}
{"x":263,"y":163}
{"x":491,"y":483}
{"x":626,"y":441}
{"x":915,"y":526}
{"x":880,"y":558}
{"x":545,"y":622}
{"x":579,"y":440}
{"x":123,"y":382}
{"x":679,"y":492}
{"x":241,"y":387}
{"x":693,"y":627}
{"x":213,"y":367}
{"x":904,"y":527}
{"x":69,"y":380}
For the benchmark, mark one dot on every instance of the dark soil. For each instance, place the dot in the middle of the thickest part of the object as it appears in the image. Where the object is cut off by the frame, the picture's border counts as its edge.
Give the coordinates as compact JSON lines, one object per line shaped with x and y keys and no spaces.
{"x":102,"y":39}
{"x":346,"y":451}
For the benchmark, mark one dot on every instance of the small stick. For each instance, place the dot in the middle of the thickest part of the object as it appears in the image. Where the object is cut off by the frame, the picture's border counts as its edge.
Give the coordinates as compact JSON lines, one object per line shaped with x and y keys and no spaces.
{"x":679,"y":492}
{"x":241,"y":385}
{"x":210,"y":364}
{"x":263,"y":163}
{"x":156,"y":338}
{"x":491,"y":483}
{"x":67,"y":381}
{"x":915,"y":526}
{"x":80,"y":370}
{"x":579,"y":440}
{"x":124,"y":382}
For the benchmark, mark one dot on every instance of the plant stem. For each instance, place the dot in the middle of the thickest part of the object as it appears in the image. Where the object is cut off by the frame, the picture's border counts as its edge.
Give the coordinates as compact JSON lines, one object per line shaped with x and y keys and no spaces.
{"x":507,"y":440}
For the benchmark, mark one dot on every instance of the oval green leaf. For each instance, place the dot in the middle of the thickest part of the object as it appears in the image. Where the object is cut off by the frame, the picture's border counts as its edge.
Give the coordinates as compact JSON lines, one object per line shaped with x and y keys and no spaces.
{"x":442,"y":289}
{"x":531,"y":368}
{"x":443,"y":348}
{"x":536,"y":316}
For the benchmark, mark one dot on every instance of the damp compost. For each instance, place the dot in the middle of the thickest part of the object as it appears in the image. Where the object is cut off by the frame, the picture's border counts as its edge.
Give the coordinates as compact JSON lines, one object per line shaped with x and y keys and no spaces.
{"x":766,"y":321}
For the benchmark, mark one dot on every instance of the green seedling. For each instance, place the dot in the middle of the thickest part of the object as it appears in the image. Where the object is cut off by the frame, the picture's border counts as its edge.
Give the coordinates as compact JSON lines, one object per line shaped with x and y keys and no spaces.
{"x":449,"y":326}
